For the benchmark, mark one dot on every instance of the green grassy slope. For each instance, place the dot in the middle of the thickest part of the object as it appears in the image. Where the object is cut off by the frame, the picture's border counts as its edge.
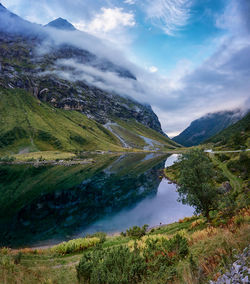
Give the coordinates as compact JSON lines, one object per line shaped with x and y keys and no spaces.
{"x":234,"y":136}
{"x":28,"y":125}
{"x":137,"y":135}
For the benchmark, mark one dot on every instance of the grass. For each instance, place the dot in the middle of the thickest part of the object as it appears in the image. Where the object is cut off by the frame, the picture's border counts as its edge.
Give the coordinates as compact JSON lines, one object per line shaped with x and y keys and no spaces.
{"x":234,"y":180}
{"x":44,"y":155}
{"x":29,"y":125}
{"x":211,"y":250}
{"x":131,"y":126}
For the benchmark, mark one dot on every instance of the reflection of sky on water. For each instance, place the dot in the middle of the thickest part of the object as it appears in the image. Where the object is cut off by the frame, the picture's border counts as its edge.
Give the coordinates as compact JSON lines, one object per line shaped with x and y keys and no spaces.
{"x":161,"y":208}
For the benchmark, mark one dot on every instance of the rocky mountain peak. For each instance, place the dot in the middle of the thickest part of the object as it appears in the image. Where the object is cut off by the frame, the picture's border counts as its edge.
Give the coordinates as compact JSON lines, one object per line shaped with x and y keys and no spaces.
{"x":61,"y":24}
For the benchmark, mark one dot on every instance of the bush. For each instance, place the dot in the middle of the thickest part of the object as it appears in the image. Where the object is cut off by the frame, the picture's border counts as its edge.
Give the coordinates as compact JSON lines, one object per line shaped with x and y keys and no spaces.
{"x":137,"y":232}
{"x":223,"y":157}
{"x":75,"y":245}
{"x":17,"y":258}
{"x":7,"y":159}
{"x":115,"y":265}
{"x":149,"y":262}
{"x":100,"y":235}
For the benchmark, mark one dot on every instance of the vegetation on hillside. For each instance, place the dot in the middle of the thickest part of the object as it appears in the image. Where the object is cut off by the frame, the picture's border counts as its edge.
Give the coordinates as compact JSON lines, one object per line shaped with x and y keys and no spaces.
{"x":29,"y":125}
{"x":207,"y":126}
{"x":236,"y":136}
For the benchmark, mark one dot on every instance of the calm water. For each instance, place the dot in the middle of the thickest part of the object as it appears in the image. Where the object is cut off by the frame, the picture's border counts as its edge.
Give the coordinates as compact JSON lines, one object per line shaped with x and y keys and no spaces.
{"x":46,"y":205}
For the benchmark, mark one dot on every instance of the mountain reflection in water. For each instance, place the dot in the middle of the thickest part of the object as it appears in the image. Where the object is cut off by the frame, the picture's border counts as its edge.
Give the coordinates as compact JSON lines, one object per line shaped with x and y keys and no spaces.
{"x":45,"y":205}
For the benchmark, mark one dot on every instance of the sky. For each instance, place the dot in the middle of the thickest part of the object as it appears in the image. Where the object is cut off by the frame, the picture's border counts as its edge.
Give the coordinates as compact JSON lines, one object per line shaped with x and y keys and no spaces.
{"x":190,"y":57}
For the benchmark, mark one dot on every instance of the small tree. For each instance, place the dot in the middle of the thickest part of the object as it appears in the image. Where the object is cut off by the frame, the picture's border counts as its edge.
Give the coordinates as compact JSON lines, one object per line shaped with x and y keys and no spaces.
{"x":196,"y":184}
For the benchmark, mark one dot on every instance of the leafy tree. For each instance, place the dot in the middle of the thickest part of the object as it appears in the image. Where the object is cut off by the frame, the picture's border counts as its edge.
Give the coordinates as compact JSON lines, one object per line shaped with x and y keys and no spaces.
{"x":196,"y":184}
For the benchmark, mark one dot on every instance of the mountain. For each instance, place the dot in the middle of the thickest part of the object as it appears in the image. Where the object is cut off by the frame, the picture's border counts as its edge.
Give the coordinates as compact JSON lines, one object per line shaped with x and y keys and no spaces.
{"x":207,"y":126}
{"x":235,"y":136}
{"x":61,"y":24}
{"x":56,"y":88}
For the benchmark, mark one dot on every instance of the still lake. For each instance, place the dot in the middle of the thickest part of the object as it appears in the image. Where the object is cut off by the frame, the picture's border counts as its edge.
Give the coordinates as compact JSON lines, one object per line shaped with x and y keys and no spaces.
{"x":49,"y":204}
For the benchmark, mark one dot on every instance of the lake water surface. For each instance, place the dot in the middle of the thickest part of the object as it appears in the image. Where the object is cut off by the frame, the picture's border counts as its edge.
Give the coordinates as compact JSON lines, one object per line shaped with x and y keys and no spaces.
{"x":46,"y":205}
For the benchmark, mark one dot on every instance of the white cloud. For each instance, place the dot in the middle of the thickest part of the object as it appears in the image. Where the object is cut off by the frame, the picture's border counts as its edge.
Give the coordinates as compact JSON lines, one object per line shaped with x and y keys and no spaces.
{"x":169,"y":15}
{"x":129,"y":2}
{"x":110,"y":24}
{"x":153,"y":69}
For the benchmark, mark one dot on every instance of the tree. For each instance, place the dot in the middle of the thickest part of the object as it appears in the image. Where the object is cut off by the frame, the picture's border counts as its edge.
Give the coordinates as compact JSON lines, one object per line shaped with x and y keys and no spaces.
{"x":196,"y":184}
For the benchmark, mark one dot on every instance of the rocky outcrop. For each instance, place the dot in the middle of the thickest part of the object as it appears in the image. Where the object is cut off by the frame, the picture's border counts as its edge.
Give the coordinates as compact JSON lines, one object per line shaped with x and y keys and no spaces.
{"x":239,"y":271}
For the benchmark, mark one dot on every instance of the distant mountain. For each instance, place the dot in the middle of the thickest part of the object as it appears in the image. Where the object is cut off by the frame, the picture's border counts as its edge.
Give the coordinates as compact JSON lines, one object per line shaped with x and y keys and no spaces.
{"x":207,"y":126}
{"x":235,"y":136}
{"x":61,"y":24}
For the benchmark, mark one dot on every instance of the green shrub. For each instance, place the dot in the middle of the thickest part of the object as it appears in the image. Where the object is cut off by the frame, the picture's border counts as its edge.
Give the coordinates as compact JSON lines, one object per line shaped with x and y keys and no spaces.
{"x":7,"y":159}
{"x":49,"y":138}
{"x":100,"y":235}
{"x":123,"y":234}
{"x":154,"y":262}
{"x":137,"y":232}
{"x":11,"y":136}
{"x":17,"y":257}
{"x":223,"y":157}
{"x":78,"y":139}
{"x":115,"y":265}
{"x":75,"y":245}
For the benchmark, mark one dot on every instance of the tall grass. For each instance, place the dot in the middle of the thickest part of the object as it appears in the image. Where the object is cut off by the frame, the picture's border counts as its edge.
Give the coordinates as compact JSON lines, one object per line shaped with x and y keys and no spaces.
{"x":76,"y":245}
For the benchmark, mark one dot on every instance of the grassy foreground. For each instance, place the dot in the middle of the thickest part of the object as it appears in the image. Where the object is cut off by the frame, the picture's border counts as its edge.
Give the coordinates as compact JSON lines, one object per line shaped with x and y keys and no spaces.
{"x":210,"y":250}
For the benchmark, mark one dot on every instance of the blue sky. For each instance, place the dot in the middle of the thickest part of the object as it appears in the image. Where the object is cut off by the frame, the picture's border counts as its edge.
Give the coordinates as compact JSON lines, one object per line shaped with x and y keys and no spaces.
{"x":143,"y":35}
{"x":188,"y":46}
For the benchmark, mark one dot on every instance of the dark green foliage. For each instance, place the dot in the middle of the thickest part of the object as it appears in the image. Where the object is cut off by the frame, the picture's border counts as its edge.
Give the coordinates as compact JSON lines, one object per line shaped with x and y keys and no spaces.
{"x":7,"y":159}
{"x":168,"y":251}
{"x":78,"y":139}
{"x":197,"y":187}
{"x":223,"y":157}
{"x":17,"y":257}
{"x":115,"y":265}
{"x":240,"y":166}
{"x":101,"y":235}
{"x":136,"y":231}
{"x":10,"y":136}
{"x":49,"y":138}
{"x":162,"y":256}
{"x":121,"y":265}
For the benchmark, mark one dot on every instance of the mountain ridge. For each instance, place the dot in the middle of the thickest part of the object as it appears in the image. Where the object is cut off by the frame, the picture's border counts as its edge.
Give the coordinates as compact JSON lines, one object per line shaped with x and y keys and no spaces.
{"x":207,"y":126}
{"x":234,"y":136}
{"x":62,"y":24}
